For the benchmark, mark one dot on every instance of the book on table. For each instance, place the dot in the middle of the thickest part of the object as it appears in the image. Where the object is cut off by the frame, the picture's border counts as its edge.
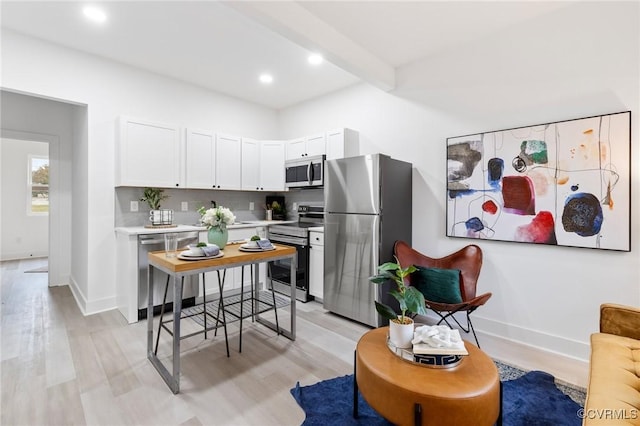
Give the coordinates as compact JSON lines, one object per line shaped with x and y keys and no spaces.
{"x":425,"y":349}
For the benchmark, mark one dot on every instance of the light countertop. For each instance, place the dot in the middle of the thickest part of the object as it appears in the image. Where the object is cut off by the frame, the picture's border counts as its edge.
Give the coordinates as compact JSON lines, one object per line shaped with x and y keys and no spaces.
{"x":137,"y":230}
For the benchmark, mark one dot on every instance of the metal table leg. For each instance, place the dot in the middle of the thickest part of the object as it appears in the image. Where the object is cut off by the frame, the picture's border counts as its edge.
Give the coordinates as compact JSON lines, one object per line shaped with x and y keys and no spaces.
{"x":241,"y":306}
{"x":221,"y":309}
{"x":171,"y":379}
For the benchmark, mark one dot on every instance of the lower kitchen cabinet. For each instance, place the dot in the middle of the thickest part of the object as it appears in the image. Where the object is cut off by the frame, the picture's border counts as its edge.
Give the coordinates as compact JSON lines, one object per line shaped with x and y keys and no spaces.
{"x":316,"y":264}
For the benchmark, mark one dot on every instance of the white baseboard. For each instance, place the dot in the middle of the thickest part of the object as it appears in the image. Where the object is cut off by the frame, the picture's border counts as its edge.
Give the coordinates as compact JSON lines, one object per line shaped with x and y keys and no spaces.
{"x":563,"y":367}
{"x":81,"y":300}
{"x":21,"y":256}
{"x":90,"y":307}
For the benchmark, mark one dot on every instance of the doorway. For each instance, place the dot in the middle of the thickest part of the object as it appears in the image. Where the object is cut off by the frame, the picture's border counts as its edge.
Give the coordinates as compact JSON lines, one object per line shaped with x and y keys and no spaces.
{"x":25,"y":199}
{"x":29,"y":198}
{"x":63,"y":125}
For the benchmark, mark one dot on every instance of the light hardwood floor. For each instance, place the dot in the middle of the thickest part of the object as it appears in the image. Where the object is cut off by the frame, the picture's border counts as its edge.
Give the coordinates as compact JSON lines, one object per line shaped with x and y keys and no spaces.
{"x":59,"y":367}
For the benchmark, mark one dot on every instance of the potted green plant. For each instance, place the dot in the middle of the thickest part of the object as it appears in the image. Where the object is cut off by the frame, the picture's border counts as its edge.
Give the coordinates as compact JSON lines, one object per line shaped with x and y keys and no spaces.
{"x":153,"y":197}
{"x":409,"y":298}
{"x":279,"y":210}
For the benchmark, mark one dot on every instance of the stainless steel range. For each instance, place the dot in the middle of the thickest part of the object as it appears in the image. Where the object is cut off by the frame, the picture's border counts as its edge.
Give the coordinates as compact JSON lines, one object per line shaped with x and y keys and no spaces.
{"x":296,"y":235}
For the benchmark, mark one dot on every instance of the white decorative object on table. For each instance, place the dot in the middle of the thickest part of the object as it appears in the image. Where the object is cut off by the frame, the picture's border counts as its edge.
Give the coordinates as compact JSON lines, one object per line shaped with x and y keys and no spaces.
{"x":437,"y":339}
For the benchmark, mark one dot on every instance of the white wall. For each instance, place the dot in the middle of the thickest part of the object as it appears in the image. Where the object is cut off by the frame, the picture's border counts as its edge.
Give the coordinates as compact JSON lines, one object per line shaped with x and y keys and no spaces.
{"x":579,"y":61}
{"x":109,"y":90}
{"x":24,"y":234}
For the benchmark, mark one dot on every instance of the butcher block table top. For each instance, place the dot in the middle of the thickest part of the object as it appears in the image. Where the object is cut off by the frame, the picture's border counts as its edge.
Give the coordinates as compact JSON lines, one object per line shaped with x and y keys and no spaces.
{"x":232,"y":257}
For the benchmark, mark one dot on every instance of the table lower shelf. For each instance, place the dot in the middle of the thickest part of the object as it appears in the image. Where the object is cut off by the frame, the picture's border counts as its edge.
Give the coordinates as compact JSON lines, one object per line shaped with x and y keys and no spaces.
{"x":233,"y":309}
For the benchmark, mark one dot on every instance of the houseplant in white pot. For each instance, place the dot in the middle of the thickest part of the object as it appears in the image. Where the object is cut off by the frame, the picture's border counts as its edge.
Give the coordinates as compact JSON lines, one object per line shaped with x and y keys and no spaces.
{"x":409,"y":298}
{"x":153,"y":197}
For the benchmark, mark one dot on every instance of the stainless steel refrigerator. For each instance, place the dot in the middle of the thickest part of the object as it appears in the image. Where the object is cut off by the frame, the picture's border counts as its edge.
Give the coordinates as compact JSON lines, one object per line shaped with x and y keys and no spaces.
{"x":367,"y":208}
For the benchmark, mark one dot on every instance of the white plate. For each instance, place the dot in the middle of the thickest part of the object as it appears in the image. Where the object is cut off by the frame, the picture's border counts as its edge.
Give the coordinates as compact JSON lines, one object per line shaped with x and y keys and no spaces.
{"x":187,"y":255}
{"x":243,"y":248}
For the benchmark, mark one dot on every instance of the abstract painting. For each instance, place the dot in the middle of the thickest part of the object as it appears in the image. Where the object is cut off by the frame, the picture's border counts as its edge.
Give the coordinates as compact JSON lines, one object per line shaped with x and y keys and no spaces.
{"x":565,"y":183}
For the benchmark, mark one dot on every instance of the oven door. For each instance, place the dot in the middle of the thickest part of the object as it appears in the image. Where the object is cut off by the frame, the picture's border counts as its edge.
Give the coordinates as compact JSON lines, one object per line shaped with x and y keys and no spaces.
{"x":280,"y":270}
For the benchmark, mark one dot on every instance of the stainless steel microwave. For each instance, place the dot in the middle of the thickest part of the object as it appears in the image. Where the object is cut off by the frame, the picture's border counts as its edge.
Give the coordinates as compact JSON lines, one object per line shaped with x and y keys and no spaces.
{"x":307,"y":172}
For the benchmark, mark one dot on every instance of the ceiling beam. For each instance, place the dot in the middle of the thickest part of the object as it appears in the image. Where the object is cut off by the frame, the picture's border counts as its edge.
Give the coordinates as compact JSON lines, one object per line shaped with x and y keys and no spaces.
{"x":300,"y":26}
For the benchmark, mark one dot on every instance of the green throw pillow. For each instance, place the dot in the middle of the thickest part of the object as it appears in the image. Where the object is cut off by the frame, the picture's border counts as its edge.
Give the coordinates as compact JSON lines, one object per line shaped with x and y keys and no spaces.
{"x":438,"y":285}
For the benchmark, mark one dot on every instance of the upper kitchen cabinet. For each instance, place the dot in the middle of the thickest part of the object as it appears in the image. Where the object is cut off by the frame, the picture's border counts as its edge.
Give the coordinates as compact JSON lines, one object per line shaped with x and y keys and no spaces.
{"x":200,"y":153}
{"x":306,"y":147}
{"x":272,"y":154}
{"x":250,"y":164}
{"x":296,"y":148}
{"x":228,"y":162}
{"x":212,"y":160}
{"x":148,"y":154}
{"x":262,"y":165}
{"x":342,"y":143}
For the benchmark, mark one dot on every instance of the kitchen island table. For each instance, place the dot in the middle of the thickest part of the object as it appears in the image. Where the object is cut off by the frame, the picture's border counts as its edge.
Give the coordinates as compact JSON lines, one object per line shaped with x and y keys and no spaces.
{"x":177,"y":269}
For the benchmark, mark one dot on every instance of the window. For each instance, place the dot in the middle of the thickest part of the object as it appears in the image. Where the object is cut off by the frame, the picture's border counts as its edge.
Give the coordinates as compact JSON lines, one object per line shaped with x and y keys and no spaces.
{"x":38,"y":185}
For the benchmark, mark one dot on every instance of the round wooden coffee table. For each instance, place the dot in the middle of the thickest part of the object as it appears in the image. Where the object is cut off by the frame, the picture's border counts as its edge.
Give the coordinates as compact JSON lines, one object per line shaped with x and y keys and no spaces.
{"x":406,"y":393}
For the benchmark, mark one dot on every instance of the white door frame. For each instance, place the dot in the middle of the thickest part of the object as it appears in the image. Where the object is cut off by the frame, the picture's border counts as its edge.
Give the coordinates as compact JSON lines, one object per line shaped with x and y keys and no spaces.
{"x":55,"y":211}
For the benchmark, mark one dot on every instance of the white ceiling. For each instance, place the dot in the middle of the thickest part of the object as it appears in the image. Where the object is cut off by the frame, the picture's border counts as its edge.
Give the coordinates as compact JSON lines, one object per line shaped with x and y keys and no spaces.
{"x":224,"y":46}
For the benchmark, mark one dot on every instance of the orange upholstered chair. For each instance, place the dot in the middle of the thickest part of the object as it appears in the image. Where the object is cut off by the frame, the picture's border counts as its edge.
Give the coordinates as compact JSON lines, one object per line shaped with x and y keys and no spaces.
{"x":468,"y":261}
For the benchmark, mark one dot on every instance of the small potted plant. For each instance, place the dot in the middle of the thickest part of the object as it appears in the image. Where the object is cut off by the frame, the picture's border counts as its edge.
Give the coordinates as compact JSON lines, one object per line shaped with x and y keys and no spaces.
{"x":153,"y":197}
{"x":279,"y":210}
{"x":409,"y":298}
{"x":253,"y":241}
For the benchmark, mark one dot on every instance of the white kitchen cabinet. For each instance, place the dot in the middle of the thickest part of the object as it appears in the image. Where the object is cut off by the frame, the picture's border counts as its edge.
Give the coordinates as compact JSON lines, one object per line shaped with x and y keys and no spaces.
{"x":200,"y":153}
{"x":316,"y":264}
{"x":296,"y":148}
{"x":228,"y":162}
{"x":148,"y":154}
{"x":316,"y":144}
{"x":306,"y":147}
{"x":262,"y":165}
{"x":250,"y":164}
{"x":342,"y":143}
{"x":272,"y":165}
{"x":212,"y":161}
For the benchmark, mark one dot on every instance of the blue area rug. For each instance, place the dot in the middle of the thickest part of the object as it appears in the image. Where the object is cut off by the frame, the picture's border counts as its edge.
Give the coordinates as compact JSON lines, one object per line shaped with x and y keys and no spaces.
{"x":530,"y":400}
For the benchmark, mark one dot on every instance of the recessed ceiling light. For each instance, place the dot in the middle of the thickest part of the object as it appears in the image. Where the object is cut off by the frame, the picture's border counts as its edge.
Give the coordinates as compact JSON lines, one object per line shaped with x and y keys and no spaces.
{"x":266,"y":78}
{"x":95,"y":14}
{"x":315,"y":59}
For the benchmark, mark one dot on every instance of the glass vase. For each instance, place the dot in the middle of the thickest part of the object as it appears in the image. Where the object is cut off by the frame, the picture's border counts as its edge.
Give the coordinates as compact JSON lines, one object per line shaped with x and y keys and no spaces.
{"x":218,"y":236}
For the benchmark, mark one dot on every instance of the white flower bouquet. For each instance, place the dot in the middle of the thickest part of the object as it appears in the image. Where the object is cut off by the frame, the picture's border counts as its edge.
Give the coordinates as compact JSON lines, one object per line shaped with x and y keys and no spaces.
{"x":216,"y":217}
